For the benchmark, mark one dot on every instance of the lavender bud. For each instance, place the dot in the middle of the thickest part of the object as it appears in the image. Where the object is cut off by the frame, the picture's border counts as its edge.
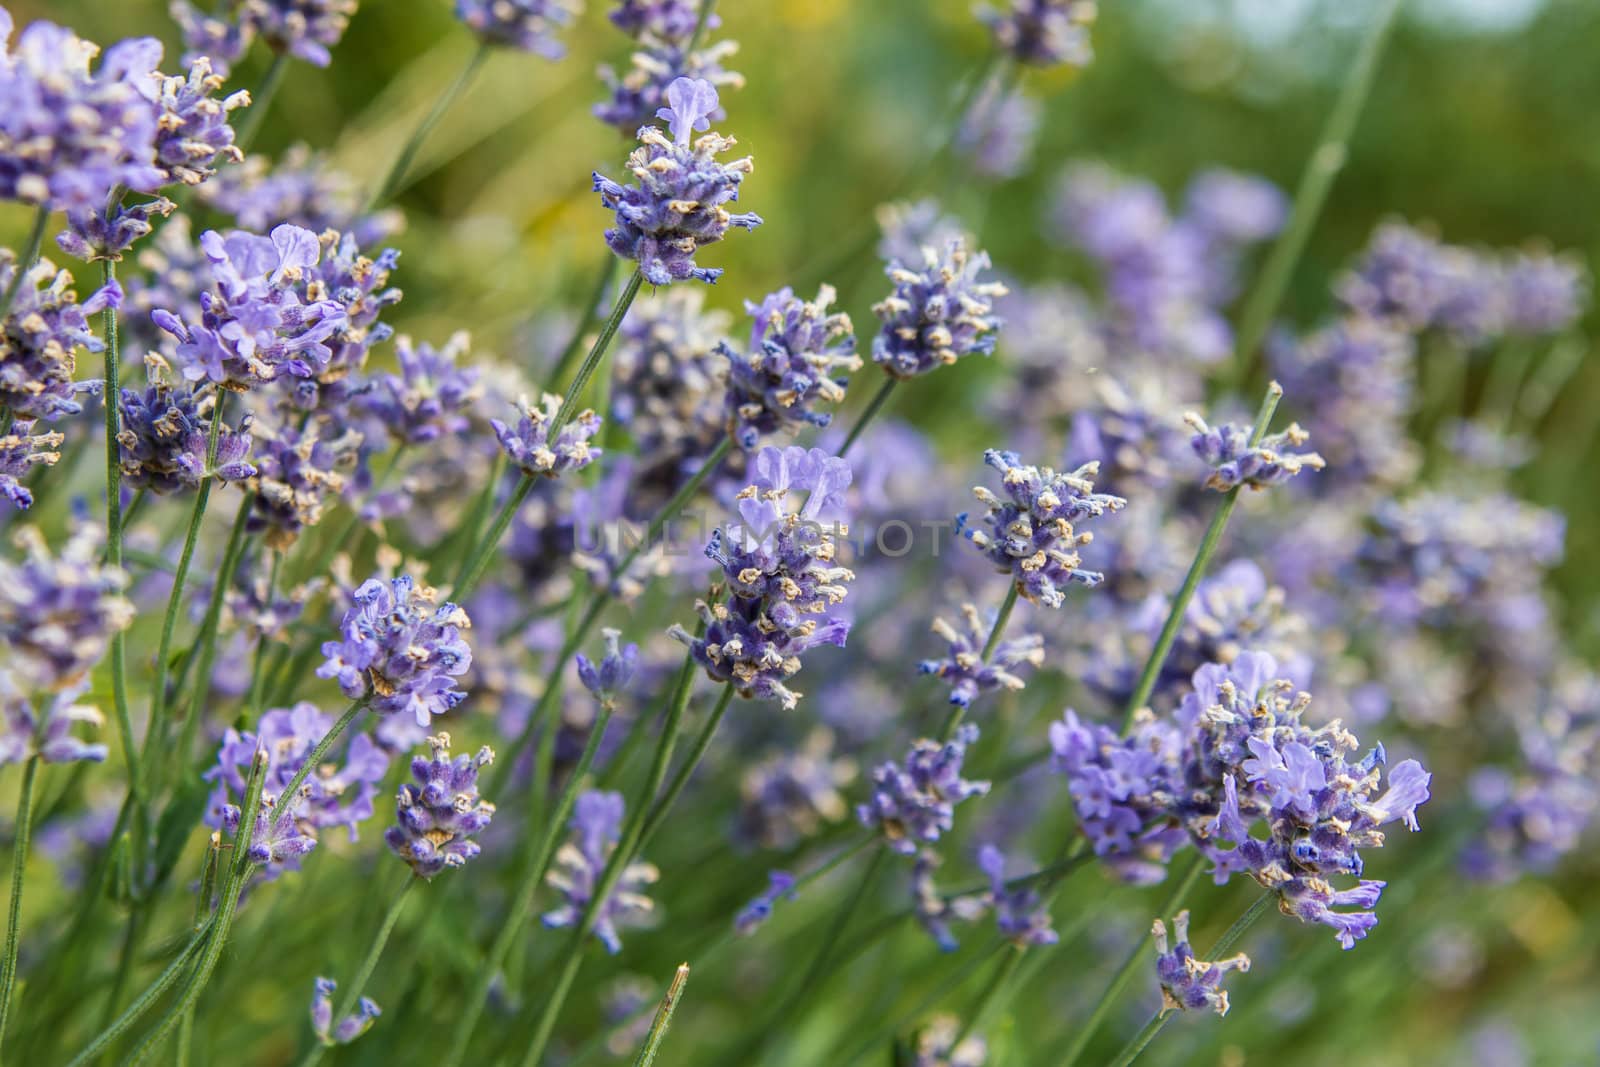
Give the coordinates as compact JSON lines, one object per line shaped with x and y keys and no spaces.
{"x":526,"y":25}
{"x":1187,"y":983}
{"x":751,"y":917}
{"x":58,"y":612}
{"x":40,"y":338}
{"x":608,"y":677}
{"x":44,"y":728}
{"x":529,"y":447}
{"x":914,"y":805}
{"x":1043,"y":33}
{"x":1235,"y":461}
{"x":436,"y":818}
{"x":350,"y":1027}
{"x":964,"y":669}
{"x":20,"y":451}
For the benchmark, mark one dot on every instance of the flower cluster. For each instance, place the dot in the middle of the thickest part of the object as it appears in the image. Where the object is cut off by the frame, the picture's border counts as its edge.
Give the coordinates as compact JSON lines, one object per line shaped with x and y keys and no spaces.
{"x":400,"y":646}
{"x":305,"y":29}
{"x":430,"y":396}
{"x":359,"y":285}
{"x":164,"y":439}
{"x":44,"y":729}
{"x":938,"y":313}
{"x":257,"y":321}
{"x":331,"y":795}
{"x":964,"y":668}
{"x":193,"y":131}
{"x":527,"y":25}
{"x":1031,"y":535}
{"x":350,"y":1027}
{"x":913,"y":804}
{"x":437,"y":817}
{"x":40,"y":338}
{"x":528,"y":443}
{"x":20,"y":451}
{"x":796,"y":348}
{"x":997,"y":134}
{"x":297,"y":471}
{"x":1234,"y":460}
{"x":1043,"y":33}
{"x":596,"y":826}
{"x":301,"y":188}
{"x":1187,"y":983}
{"x":668,"y":20}
{"x":780,"y":574}
{"x":1018,"y":912}
{"x":677,"y":207}
{"x":58,"y":612}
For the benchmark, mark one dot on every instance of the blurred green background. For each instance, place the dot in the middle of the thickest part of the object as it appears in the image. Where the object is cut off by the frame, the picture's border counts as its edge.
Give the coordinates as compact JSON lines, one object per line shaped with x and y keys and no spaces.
{"x":1485,"y":121}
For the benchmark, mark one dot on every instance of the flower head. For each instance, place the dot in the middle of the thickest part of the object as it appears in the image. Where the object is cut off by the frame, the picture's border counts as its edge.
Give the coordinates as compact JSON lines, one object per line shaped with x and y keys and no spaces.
{"x":1019,"y":913}
{"x":527,"y":25}
{"x":58,"y":612}
{"x":40,"y":338}
{"x":1031,"y":535}
{"x":913,"y":804}
{"x":430,"y":396}
{"x":1043,"y":33}
{"x":596,"y":827}
{"x":938,"y":313}
{"x":796,"y":349}
{"x":677,"y":207}
{"x":781,"y":578}
{"x":404,"y":648}
{"x":1235,"y":461}
{"x":966,"y":671}
{"x":1187,"y":983}
{"x":351,"y":1026}
{"x":789,"y":796}
{"x":20,"y":451}
{"x":780,"y":886}
{"x":164,"y":439}
{"x":667,"y":20}
{"x":297,"y":472}
{"x":529,"y":446}
{"x":437,"y":817}
{"x":606,"y":678}
{"x":638,"y":93}
{"x":44,"y":728}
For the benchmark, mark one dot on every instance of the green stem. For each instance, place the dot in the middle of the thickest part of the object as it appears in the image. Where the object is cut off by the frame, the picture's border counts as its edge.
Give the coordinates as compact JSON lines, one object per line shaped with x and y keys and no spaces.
{"x":591,"y":312}
{"x":25,"y":262}
{"x":697,"y":751}
{"x":353,"y":991}
{"x":260,"y":100}
{"x":1326,"y":160}
{"x":1140,"y":1041}
{"x":207,"y":637}
{"x":1197,"y":569}
{"x":597,"y":352}
{"x":702,"y":25}
{"x":526,"y":892}
{"x":408,"y":153}
{"x":136,"y":1010}
{"x":669,"y":1003}
{"x":478,"y":562}
{"x":134,"y":506}
{"x":992,"y":993}
{"x":879,"y":398}
{"x":1138,"y":960}
{"x":19,"y":865}
{"x":156,"y":730}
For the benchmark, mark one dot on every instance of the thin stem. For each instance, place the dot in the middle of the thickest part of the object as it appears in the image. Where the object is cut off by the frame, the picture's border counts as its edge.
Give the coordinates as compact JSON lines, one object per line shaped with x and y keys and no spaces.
{"x":1138,"y":960}
{"x":879,"y":398}
{"x":260,"y":101}
{"x":669,"y":1004}
{"x":702,"y":25}
{"x":478,"y":561}
{"x":697,"y":751}
{"x":408,"y":153}
{"x":1197,"y":569}
{"x":141,"y":1005}
{"x":316,"y":756}
{"x":156,"y":730}
{"x":597,"y":352}
{"x":19,"y":865}
{"x":1140,"y":1041}
{"x":1327,"y":159}
{"x":992,"y":993}
{"x":591,"y":312}
{"x":119,"y":669}
{"x":24,"y":262}
{"x":133,"y":508}
{"x":353,"y":991}
{"x":231,"y":554}
{"x":526,"y":892}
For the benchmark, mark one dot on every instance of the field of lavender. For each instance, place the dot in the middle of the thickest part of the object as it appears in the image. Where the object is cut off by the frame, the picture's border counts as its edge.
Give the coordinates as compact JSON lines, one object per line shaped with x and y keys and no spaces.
{"x":799,"y":534}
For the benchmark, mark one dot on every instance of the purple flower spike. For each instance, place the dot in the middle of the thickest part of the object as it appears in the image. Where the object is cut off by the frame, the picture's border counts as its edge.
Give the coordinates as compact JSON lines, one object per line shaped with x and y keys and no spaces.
{"x":1018,"y":913}
{"x":527,"y":25}
{"x":941,"y":310}
{"x":964,"y":669}
{"x":914,"y":804}
{"x":40,"y":338}
{"x":690,"y":105}
{"x":164,"y":439}
{"x":58,"y":611}
{"x":596,"y":827}
{"x":350,"y":1027}
{"x":798,"y":356}
{"x":606,"y":678}
{"x":528,"y":443}
{"x":437,"y":817}
{"x":46,"y":731}
{"x":402,"y":647}
{"x":1043,"y":33}
{"x":1187,"y":983}
{"x":1235,"y":461}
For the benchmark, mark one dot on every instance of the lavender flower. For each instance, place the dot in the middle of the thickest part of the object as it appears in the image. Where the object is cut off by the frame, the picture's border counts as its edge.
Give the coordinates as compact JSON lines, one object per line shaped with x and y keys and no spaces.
{"x":937,"y":1045}
{"x":997,"y":135}
{"x":39,"y":339}
{"x":1234,"y":208}
{"x":637,"y":93}
{"x":69,"y":135}
{"x":596,"y":827}
{"x":529,"y":446}
{"x":255,"y":324}
{"x":1187,"y":983}
{"x":936,"y":314}
{"x":93,"y":234}
{"x":780,"y":886}
{"x":217,"y":37}
{"x":668,"y":20}
{"x":429,"y":397}
{"x":527,"y":25}
{"x":164,"y":439}
{"x":436,"y":819}
{"x":964,"y":668}
{"x":781,"y":579}
{"x":305,"y":29}
{"x":935,"y":910}
{"x":608,"y":677}
{"x":1018,"y":913}
{"x":1031,"y":535}
{"x":193,"y":130}
{"x":301,"y":189}
{"x":788,"y":797}
{"x":796,"y":349}
{"x":297,"y":471}
{"x":58,"y":612}
{"x":1043,"y":33}
{"x":677,"y":206}
{"x":1235,"y":461}
{"x":20,"y":451}
{"x":331,"y":795}
{"x":359,"y":285}
{"x":910,"y":227}
{"x":397,"y":645}
{"x":44,"y":729}
{"x":350,"y":1027}
{"x":914,"y":805}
